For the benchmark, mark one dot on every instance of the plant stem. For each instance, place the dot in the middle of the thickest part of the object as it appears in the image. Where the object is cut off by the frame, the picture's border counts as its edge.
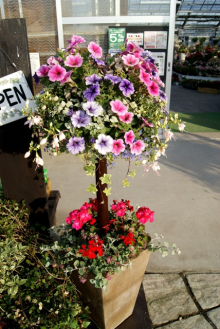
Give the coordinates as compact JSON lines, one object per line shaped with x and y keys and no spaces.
{"x":102,"y":199}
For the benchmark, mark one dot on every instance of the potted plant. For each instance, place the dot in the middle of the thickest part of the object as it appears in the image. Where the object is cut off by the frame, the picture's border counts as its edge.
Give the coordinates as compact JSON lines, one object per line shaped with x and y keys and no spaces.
{"x":103,"y":108}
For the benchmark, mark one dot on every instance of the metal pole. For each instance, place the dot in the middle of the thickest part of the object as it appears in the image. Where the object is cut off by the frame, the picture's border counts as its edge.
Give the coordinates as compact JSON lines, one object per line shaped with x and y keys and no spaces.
{"x":59,"y":23}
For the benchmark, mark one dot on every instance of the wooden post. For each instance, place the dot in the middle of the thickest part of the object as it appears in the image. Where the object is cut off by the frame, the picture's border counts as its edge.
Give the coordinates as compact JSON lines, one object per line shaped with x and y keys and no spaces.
{"x":20,"y":177}
{"x":102,"y":199}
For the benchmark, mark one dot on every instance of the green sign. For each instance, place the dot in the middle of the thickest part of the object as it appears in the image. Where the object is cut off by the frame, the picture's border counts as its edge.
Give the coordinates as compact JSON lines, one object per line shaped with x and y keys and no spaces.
{"x":116,"y":38}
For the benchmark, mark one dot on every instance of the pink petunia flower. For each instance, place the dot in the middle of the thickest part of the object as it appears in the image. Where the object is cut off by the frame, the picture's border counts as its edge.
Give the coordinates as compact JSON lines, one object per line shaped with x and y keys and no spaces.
{"x":56,"y":73}
{"x":95,"y":49}
{"x":137,"y":147}
{"x":118,"y":107}
{"x":145,"y":78}
{"x":118,"y":146}
{"x":73,"y":61}
{"x":153,"y":89}
{"x":67,"y":78}
{"x":130,"y":60}
{"x":43,"y":71}
{"x":129,"y":137}
{"x":127,"y":117}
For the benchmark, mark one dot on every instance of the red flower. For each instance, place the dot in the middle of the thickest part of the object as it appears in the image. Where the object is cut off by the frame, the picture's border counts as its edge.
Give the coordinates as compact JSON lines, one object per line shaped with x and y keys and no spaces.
{"x":128,"y":239}
{"x":93,"y":250}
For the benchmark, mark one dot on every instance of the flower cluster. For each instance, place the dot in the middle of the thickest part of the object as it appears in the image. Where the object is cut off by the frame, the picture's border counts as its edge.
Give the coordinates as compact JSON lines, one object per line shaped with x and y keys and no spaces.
{"x":100,"y":106}
{"x":102,"y":251}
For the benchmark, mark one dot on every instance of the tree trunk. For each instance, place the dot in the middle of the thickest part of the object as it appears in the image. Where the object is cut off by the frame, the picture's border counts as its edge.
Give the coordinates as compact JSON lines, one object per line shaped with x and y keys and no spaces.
{"x":102,"y":199}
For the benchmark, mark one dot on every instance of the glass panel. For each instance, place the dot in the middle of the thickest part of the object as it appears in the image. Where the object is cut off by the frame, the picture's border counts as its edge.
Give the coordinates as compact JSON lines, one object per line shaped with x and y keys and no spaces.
{"x":87,"y":8}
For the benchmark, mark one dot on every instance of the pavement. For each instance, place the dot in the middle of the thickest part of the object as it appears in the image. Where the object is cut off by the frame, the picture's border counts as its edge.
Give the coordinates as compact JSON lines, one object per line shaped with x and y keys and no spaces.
{"x":181,"y":291}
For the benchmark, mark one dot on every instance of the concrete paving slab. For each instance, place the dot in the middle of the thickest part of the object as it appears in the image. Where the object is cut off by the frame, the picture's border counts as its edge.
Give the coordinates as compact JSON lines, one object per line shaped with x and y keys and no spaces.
{"x":193,"y":322}
{"x":206,"y":289}
{"x":214,"y":316}
{"x":167,"y":298}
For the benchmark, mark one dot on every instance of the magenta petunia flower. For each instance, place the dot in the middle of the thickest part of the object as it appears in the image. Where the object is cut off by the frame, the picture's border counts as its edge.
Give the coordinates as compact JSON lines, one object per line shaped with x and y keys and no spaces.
{"x":118,"y":107}
{"x":126,"y":87}
{"x":43,"y":71}
{"x":95,"y":49}
{"x":52,"y":61}
{"x":127,"y":117}
{"x":56,"y":73}
{"x":137,"y":147}
{"x":75,"y":40}
{"x":153,"y":89}
{"x":76,"y":145}
{"x":67,"y":78}
{"x":103,"y":144}
{"x":129,"y":137}
{"x":118,"y":146}
{"x":73,"y":61}
{"x":130,"y":60}
{"x":133,"y":47}
{"x":145,"y":78}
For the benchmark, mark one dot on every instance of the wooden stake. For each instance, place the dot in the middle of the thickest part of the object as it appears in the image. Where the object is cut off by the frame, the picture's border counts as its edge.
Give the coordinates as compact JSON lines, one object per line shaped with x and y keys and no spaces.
{"x":102,"y":199}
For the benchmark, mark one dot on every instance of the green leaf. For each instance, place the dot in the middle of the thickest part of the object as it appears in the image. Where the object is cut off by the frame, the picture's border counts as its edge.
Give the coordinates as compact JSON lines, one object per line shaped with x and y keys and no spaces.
{"x":92,"y":189}
{"x":133,"y":173}
{"x":113,"y":119}
{"x":89,"y":169}
{"x":76,"y":263}
{"x":107,"y":191}
{"x":106,"y":179}
{"x":125,"y":182}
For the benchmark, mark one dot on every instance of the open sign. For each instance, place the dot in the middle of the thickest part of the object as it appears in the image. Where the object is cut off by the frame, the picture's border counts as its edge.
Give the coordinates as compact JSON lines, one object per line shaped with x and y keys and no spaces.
{"x":14,"y":91}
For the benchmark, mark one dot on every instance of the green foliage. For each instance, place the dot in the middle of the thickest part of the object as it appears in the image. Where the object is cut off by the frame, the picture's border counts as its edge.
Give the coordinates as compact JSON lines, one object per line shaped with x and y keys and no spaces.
{"x":35,"y":290}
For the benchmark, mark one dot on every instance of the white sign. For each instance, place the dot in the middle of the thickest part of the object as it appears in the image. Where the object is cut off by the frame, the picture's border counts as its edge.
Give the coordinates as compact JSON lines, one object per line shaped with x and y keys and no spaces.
{"x":136,"y":37}
{"x":159,"y":61}
{"x":14,"y":91}
{"x":35,"y":62}
{"x":155,"y":40}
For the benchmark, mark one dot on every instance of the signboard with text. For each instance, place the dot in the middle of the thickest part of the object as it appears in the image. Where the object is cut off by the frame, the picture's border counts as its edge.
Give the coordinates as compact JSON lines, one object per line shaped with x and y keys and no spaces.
{"x":116,"y":38}
{"x":14,"y":91}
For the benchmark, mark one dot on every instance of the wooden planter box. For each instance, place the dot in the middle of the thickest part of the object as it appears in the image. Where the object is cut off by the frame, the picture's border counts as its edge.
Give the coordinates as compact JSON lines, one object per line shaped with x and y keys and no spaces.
{"x":109,"y":309}
{"x":207,"y":90}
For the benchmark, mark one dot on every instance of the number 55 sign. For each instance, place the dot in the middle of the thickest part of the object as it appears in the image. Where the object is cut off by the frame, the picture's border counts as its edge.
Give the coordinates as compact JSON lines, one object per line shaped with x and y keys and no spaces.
{"x":116,"y":38}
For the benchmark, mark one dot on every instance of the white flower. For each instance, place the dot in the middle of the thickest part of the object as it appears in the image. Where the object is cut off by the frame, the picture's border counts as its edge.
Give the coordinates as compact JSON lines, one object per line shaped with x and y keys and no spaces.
{"x":168,"y":135}
{"x":43,"y":141}
{"x":44,"y":107}
{"x":55,"y":98}
{"x":39,"y":161}
{"x":181,"y":126}
{"x":40,"y":306}
{"x":61,"y":136}
{"x":155,"y":167}
{"x":55,"y":143}
{"x":27,"y":154}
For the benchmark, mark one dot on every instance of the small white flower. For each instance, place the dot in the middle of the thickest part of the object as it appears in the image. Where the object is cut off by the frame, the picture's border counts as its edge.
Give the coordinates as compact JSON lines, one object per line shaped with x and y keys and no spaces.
{"x":43,"y":141}
{"x":55,"y":142}
{"x":68,"y":104}
{"x":63,"y":104}
{"x":168,"y":135}
{"x":55,"y":99}
{"x":39,"y":161}
{"x":40,"y":306}
{"x":27,"y":154}
{"x":44,"y":107}
{"x":181,"y":126}
{"x":61,"y":136}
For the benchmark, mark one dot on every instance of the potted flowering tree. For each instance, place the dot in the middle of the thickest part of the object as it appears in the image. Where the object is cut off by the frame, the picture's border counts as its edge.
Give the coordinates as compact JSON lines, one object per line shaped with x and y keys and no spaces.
{"x":103,"y":108}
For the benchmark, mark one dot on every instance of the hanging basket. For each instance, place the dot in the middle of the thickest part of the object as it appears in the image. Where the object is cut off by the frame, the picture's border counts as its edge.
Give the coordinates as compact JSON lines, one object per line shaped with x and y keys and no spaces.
{"x":109,"y":309}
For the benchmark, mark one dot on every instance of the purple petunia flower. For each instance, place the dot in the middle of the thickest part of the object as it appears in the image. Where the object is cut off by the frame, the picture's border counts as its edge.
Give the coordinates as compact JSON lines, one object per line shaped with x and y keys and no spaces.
{"x":93,"y":79}
{"x":36,"y":78}
{"x":104,"y":144}
{"x":91,"y":92}
{"x":76,"y":145}
{"x":126,"y":87}
{"x":113,"y":78}
{"x":92,"y":109}
{"x":162,"y":95}
{"x":80,"y":119}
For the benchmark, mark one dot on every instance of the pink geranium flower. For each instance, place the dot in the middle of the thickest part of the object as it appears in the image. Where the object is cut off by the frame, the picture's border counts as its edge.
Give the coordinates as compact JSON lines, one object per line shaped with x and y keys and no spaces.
{"x":73,"y":61}
{"x":118,"y":107}
{"x":144,"y":215}
{"x":145,"y":78}
{"x":127,"y":117}
{"x":129,"y":137}
{"x":153,"y":89}
{"x":130,"y":60}
{"x":137,"y":147}
{"x":56,"y":73}
{"x":118,"y":146}
{"x":95,"y":49}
